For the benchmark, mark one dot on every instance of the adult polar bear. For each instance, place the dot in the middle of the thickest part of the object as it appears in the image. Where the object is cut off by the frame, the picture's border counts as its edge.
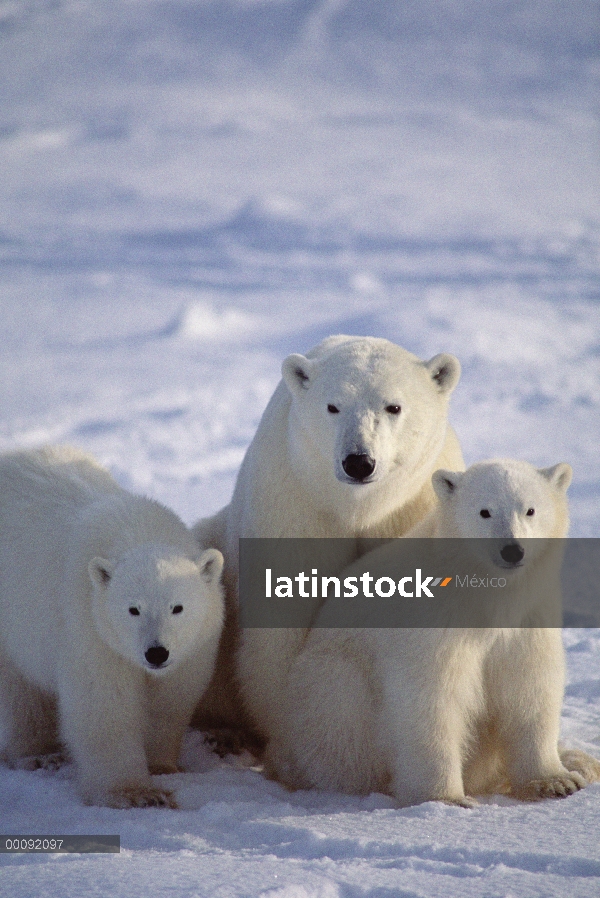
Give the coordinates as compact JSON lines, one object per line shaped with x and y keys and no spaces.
{"x":346,"y":448}
{"x":110,"y":617}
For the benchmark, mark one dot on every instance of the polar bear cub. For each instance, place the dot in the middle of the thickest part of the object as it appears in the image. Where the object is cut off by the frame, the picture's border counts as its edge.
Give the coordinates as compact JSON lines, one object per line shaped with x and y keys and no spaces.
{"x":110,"y":618}
{"x":445,"y":712}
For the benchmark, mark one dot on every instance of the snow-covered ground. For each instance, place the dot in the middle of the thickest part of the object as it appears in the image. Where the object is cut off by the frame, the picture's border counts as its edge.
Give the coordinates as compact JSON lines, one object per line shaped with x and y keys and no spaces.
{"x":192,"y":190}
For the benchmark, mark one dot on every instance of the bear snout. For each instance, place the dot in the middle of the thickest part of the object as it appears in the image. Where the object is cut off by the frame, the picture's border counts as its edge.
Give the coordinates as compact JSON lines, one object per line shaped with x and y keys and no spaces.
{"x":358,"y":467}
{"x":512,"y":553}
{"x":156,"y":655}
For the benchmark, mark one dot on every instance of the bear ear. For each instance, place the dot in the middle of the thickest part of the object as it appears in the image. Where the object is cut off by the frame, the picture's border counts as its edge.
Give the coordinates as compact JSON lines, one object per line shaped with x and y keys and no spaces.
{"x":559,"y":475}
{"x":445,"y":371}
{"x":211,"y":565}
{"x":100,"y":571}
{"x":296,"y":371}
{"x":445,"y":483}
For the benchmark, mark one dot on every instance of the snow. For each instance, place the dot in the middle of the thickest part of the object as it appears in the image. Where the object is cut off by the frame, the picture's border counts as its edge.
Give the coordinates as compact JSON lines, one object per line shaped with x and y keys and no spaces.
{"x":192,"y":190}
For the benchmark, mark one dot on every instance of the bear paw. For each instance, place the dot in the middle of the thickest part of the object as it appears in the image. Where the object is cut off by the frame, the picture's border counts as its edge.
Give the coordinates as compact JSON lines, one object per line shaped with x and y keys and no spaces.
{"x":558,"y":786}
{"x":463,"y":801}
{"x":141,"y":797}
{"x":578,"y":761}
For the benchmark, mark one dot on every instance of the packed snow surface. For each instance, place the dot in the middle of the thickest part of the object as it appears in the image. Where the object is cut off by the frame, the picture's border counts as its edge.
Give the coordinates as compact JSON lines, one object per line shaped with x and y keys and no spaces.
{"x":192,"y":190}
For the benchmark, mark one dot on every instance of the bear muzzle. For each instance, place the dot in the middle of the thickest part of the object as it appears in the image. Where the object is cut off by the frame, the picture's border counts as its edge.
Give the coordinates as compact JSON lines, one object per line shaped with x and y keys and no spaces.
{"x":359,"y":467}
{"x":156,"y":656}
{"x":513,"y":554}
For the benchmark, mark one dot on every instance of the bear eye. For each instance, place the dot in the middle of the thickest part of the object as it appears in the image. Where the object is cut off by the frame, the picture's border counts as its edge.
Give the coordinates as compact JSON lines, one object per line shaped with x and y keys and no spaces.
{"x":485,"y":513}
{"x":177,"y":609}
{"x":393,"y":409}
{"x":333,"y":410}
{"x":530,"y":512}
{"x":134,"y":611}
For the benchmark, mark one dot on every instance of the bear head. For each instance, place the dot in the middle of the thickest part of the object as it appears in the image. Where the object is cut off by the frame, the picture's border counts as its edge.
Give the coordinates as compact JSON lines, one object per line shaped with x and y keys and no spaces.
{"x":367,"y":418}
{"x":515,"y":504}
{"x":150,"y":605}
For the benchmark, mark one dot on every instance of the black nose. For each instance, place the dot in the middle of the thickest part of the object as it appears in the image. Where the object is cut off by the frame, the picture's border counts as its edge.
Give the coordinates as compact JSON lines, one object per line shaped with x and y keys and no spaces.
{"x":156,"y":655}
{"x":512,"y":553}
{"x":359,"y":467}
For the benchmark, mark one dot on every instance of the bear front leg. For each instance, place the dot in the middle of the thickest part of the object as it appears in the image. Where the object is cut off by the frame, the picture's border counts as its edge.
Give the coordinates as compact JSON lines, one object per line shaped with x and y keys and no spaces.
{"x":426,"y":741}
{"x":528,"y":684}
{"x":102,"y":723}
{"x":328,"y":735}
{"x":171,"y":700}
{"x":426,"y":757}
{"x":430,"y":696}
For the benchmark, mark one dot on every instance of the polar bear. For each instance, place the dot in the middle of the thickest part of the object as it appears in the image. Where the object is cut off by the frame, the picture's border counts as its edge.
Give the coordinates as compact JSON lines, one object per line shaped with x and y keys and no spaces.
{"x":110,"y":618}
{"x":346,"y":447}
{"x":444,"y":712}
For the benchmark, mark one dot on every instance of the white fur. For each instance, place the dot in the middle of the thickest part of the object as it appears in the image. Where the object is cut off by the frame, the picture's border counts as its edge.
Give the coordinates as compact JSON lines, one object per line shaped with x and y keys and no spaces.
{"x":292,"y":482}
{"x":78,"y":555}
{"x":438,"y":713}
